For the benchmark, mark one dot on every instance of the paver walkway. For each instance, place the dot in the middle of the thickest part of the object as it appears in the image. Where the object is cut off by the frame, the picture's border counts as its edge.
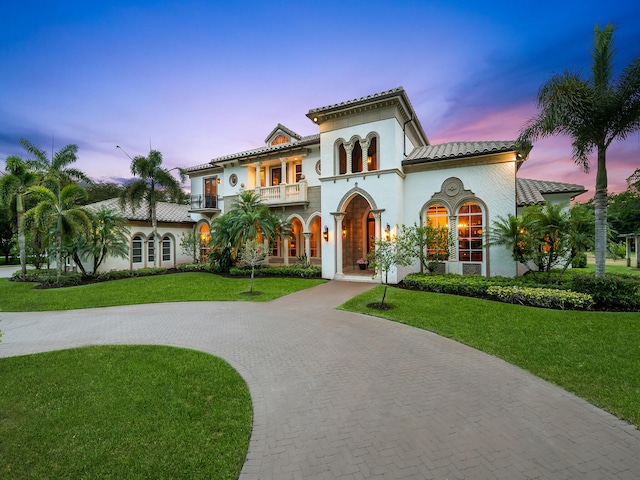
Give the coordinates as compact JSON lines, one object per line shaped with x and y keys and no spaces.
{"x":339,"y":395}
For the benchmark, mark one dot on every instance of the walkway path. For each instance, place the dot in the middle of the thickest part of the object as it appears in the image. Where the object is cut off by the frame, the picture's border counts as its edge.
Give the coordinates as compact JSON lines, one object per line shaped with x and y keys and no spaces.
{"x":344,"y":396}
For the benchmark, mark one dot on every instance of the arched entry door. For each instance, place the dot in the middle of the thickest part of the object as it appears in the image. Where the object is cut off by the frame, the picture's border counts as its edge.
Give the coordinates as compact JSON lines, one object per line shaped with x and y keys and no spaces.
{"x":358,"y":226}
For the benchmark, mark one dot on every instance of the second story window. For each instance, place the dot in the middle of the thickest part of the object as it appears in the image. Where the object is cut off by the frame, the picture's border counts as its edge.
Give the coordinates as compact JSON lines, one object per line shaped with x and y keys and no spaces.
{"x":210,"y":192}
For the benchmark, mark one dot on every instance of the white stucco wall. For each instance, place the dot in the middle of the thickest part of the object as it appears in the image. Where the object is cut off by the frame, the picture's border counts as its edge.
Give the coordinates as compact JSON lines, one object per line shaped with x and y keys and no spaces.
{"x":177,"y":257}
{"x":494,"y":187}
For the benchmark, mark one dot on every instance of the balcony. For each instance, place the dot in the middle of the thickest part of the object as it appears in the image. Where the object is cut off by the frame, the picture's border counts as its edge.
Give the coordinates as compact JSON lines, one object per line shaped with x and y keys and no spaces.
{"x":284,"y":194}
{"x":204,"y":204}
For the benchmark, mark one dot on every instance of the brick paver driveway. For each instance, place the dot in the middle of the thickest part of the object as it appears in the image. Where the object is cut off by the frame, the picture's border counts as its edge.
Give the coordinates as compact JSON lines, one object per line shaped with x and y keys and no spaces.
{"x":342,"y":395}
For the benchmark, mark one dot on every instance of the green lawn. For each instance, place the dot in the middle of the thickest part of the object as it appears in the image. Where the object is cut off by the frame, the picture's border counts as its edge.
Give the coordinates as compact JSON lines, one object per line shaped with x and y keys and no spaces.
{"x":122,"y":412}
{"x":179,"y":287}
{"x":593,"y":354}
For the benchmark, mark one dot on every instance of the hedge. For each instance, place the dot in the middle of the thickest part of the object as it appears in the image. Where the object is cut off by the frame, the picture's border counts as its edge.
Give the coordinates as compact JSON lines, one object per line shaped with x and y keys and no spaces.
{"x":542,"y":297}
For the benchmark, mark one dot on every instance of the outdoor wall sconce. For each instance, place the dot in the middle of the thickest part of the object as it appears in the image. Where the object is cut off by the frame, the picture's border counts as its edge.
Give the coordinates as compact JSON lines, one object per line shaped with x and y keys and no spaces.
{"x":218,"y":180}
{"x":387,"y":231}
{"x":344,"y":232}
{"x":325,"y":233}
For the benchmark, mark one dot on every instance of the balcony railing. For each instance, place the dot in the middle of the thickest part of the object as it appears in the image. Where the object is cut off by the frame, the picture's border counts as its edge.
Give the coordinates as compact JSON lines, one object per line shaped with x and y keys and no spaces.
{"x":204,"y":202}
{"x":283,"y":193}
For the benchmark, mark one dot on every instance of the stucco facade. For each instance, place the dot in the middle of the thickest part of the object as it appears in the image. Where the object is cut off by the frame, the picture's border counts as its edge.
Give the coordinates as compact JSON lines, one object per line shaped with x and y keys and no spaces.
{"x":369,"y":170}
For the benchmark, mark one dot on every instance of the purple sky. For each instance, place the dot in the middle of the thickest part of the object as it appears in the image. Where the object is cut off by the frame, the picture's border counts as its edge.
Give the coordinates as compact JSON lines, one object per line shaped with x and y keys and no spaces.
{"x":201,"y":79}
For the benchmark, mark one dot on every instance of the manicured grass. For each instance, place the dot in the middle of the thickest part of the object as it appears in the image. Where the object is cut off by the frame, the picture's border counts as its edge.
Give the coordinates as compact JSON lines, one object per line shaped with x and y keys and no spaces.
{"x":122,"y":412}
{"x":178,"y":287}
{"x":592,"y":354}
{"x":611,"y":268}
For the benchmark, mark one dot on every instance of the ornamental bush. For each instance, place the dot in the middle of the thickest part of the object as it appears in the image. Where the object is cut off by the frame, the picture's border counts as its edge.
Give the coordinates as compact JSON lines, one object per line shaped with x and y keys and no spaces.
{"x":470,"y":285}
{"x":611,"y":290}
{"x":282,"y":271}
{"x":542,"y":297}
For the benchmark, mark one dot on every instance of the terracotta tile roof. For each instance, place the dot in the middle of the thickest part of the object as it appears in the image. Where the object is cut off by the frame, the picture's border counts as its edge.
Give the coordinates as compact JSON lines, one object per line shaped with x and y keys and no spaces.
{"x":303,"y":142}
{"x":203,"y":166}
{"x":358,"y":101}
{"x":530,"y":192}
{"x":166,"y":212}
{"x":387,"y":94}
{"x":453,"y":150}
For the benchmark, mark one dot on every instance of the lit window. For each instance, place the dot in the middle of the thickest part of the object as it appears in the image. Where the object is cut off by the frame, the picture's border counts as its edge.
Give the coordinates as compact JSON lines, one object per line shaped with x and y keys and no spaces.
{"x":279,"y":140}
{"x":470,"y":233}
{"x":204,"y":236}
{"x":438,"y":225}
{"x":372,"y":155}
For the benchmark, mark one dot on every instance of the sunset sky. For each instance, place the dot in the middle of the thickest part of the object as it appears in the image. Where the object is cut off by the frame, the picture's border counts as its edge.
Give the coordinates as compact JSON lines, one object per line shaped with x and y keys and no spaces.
{"x":201,"y":79}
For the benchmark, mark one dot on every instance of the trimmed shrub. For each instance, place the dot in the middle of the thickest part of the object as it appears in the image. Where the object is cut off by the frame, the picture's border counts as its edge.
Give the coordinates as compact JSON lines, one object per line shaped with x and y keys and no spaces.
{"x":49,"y":278}
{"x":283,"y":271}
{"x":611,"y":290}
{"x":542,"y":297}
{"x":193,"y":267}
{"x":470,"y":285}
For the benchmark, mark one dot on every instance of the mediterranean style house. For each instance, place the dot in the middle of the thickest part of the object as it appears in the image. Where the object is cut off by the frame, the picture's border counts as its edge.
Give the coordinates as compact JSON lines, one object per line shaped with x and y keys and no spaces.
{"x":370,"y":169}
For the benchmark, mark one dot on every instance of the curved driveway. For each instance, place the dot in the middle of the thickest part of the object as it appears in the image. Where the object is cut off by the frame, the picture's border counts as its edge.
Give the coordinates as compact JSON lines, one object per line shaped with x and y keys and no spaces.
{"x":339,"y":395}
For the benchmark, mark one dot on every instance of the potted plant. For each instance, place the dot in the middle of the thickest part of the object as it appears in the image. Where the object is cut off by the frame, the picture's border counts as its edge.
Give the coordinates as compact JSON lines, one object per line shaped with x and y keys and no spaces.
{"x":362,"y":263}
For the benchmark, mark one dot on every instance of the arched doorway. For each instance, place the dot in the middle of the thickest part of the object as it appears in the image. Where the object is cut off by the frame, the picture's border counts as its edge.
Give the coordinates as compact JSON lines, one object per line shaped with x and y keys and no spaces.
{"x":358,"y":225}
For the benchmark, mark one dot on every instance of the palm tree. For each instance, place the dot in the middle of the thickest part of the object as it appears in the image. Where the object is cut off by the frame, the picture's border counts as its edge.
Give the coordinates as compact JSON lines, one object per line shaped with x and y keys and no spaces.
{"x":109,"y":237}
{"x":514,"y":233}
{"x":250,"y":217}
{"x":59,"y":212}
{"x":13,"y":186}
{"x":55,"y":172}
{"x":593,"y":112}
{"x":151,"y":176}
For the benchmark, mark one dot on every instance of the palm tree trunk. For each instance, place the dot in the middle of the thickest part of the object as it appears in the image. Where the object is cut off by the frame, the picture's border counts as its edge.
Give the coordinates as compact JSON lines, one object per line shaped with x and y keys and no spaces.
{"x":59,"y":247}
{"x":22,"y":244}
{"x":154,"y":223}
{"x":600,"y":201}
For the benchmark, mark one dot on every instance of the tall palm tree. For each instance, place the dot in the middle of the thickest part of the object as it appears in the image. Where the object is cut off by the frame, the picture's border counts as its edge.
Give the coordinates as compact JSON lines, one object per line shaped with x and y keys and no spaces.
{"x":14,"y":183}
{"x":55,"y":172}
{"x":59,"y":212}
{"x":593,"y":112}
{"x":151,"y":176}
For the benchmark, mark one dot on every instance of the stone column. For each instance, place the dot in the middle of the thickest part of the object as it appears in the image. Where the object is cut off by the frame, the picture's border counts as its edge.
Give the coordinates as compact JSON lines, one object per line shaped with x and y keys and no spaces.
{"x":365,"y":155}
{"x":307,"y":245}
{"x":285,"y":253}
{"x":348,"y":147}
{"x":283,"y":168}
{"x":453,"y":233}
{"x":338,"y":236}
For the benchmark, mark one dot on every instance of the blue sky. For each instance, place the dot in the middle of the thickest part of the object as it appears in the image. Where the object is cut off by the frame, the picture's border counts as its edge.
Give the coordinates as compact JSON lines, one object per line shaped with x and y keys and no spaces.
{"x":201,"y":79}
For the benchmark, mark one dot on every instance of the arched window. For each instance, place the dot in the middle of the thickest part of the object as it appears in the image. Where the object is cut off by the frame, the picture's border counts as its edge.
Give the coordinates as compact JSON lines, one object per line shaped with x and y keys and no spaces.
{"x":279,"y":140}
{"x":342,"y":159}
{"x":136,"y":249}
{"x":203,"y":237}
{"x":151,"y":249}
{"x":437,"y":224}
{"x":314,"y":240}
{"x":356,"y":158}
{"x":166,"y":249}
{"x":372,"y":154}
{"x":294,"y":240}
{"x":470,"y":233}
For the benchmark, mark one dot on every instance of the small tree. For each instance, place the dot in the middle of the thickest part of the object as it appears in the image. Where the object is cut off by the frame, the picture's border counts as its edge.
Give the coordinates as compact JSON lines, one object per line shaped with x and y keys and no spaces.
{"x":427,"y":243}
{"x":385,"y":255}
{"x":253,"y":254}
{"x":190,"y":244}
